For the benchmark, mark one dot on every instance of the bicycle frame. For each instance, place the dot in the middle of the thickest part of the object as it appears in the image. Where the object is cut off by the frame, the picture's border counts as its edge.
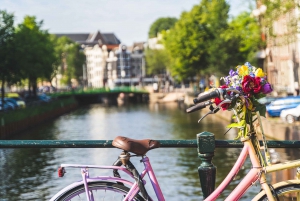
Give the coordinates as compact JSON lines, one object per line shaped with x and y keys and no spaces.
{"x":134,"y":189}
{"x":257,"y":173}
{"x":252,"y":176}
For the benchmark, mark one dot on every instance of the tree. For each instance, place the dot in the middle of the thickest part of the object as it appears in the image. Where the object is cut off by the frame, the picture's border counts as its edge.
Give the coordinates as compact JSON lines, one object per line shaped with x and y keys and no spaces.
{"x":242,"y":39}
{"x":69,"y":59}
{"x":35,"y":52}
{"x":238,"y":43}
{"x":164,"y":23}
{"x":190,"y":42}
{"x":8,"y":71}
{"x":157,"y":61}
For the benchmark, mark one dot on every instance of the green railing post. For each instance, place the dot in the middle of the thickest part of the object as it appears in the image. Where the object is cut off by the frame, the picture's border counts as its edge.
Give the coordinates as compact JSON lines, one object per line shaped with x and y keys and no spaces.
{"x":207,"y":170}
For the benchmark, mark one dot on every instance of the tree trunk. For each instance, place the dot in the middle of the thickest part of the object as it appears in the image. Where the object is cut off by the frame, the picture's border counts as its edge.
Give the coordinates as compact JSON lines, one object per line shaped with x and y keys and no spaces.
{"x":2,"y":93}
{"x":29,"y":87}
{"x":34,"y":87}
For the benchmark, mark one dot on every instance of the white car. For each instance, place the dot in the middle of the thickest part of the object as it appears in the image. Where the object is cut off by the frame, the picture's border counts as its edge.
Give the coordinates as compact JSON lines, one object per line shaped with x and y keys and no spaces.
{"x":290,"y":115}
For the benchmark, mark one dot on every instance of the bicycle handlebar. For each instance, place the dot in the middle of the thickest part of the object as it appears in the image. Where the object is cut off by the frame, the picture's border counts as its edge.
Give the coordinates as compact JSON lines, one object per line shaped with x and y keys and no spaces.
{"x":198,"y":107}
{"x":210,"y":95}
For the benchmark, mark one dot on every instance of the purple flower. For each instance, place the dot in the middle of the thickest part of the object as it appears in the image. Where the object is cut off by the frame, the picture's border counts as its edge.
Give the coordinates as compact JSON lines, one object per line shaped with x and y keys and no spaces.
{"x":239,"y":88}
{"x":227,"y":80}
{"x":266,"y":88}
{"x":232,"y":73}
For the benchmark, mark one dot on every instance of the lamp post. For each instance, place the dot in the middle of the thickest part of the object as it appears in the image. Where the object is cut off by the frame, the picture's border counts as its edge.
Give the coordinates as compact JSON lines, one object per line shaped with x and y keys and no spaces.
{"x":122,"y":63}
{"x":143,"y":70}
{"x":84,"y":77}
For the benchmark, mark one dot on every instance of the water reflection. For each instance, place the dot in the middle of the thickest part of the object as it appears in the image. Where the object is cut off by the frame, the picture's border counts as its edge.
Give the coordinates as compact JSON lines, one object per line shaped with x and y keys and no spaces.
{"x":34,"y":170}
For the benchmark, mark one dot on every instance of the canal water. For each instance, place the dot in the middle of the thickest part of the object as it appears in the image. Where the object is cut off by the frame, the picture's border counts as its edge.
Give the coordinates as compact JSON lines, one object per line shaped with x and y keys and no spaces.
{"x":31,"y":174}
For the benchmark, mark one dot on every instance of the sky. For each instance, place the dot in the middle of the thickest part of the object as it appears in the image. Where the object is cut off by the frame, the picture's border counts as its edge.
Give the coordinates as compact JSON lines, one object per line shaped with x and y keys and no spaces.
{"x":129,"y":20}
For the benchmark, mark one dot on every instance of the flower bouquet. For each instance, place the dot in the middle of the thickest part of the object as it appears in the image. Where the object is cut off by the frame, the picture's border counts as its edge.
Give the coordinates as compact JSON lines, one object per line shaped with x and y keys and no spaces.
{"x":252,"y":84}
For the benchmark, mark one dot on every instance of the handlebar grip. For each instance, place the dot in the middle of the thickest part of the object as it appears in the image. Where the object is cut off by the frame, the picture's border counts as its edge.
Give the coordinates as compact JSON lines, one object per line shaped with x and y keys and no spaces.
{"x":196,"y":107}
{"x":207,"y":96}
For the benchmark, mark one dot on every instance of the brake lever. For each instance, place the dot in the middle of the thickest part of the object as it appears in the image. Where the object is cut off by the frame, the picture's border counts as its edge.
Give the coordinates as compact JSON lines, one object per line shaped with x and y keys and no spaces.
{"x":216,"y":109}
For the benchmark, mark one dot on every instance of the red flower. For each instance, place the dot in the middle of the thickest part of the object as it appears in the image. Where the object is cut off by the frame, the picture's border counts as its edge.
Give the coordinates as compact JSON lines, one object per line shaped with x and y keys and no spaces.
{"x":251,"y":85}
{"x":223,"y":86}
{"x":224,"y":106}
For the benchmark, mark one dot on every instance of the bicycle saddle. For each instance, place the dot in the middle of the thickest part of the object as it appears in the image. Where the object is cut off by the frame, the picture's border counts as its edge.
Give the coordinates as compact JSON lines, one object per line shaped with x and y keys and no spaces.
{"x":139,"y":147}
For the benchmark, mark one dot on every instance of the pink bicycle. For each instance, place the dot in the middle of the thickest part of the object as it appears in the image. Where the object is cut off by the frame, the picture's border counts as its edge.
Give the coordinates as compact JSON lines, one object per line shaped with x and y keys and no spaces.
{"x":117,"y":188}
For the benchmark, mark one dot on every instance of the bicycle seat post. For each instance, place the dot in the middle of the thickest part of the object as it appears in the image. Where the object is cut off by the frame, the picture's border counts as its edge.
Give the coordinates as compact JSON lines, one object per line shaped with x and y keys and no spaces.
{"x":207,"y":170}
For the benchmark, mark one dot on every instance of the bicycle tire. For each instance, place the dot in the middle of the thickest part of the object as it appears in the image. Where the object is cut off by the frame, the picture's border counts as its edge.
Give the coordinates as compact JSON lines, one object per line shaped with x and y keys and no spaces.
{"x":112,"y":191}
{"x":287,"y":192}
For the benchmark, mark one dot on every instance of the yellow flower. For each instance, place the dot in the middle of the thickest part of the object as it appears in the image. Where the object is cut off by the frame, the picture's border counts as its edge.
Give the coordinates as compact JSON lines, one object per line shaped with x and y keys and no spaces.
{"x":243,"y":70}
{"x":259,"y":72}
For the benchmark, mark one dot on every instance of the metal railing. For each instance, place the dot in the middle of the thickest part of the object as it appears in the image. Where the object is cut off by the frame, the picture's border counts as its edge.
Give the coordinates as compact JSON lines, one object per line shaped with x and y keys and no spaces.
{"x":205,"y":144}
{"x":108,"y":144}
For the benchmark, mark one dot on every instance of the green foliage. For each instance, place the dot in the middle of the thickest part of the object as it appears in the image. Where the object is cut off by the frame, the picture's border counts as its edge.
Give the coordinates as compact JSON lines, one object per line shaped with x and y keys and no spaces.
{"x":35,"y":51}
{"x":69,"y":59}
{"x":194,"y":41}
{"x":8,"y":69}
{"x":238,"y":43}
{"x":157,"y":61}
{"x":164,"y":23}
{"x":29,"y":53}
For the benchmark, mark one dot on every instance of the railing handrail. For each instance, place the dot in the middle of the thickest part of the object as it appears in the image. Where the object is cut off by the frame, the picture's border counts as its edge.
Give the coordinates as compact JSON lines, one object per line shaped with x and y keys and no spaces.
{"x":108,"y":144}
{"x":205,"y":144}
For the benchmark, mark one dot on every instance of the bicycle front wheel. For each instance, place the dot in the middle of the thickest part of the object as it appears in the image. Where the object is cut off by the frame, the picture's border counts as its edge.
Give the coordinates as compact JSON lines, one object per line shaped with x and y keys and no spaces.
{"x":286,"y":192}
{"x":99,"y":191}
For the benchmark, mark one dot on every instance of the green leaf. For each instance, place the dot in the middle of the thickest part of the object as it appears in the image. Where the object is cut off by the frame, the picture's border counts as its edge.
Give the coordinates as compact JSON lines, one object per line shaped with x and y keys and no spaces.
{"x":261,"y":109}
{"x":237,"y":125}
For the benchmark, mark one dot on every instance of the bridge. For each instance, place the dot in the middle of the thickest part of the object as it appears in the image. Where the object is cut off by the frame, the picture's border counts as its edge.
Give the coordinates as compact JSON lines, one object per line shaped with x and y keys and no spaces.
{"x":105,"y":95}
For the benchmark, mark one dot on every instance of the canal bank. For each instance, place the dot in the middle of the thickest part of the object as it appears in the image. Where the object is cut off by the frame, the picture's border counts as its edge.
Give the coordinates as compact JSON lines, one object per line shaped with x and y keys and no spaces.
{"x":16,"y":121}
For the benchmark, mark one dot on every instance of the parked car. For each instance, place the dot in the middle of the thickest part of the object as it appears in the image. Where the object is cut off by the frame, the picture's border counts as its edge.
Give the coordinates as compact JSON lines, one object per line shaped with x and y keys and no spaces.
{"x":6,"y":106}
{"x":16,"y":99}
{"x":275,"y":107}
{"x":267,"y":100}
{"x":44,"y":98}
{"x":290,"y":115}
{"x":20,"y":102}
{"x":12,"y":101}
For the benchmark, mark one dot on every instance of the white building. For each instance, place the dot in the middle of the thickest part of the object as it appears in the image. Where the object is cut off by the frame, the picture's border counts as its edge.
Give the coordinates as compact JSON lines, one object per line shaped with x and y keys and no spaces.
{"x":95,"y":65}
{"x":282,"y":51}
{"x":99,"y":50}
